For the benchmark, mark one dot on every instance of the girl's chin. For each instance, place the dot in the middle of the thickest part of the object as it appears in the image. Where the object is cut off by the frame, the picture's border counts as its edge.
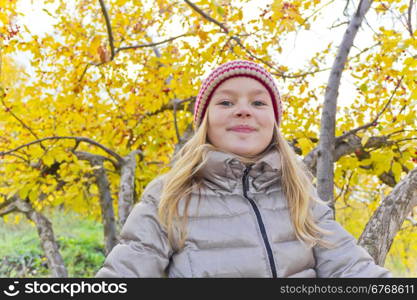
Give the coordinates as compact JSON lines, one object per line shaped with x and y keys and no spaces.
{"x":243,"y":151}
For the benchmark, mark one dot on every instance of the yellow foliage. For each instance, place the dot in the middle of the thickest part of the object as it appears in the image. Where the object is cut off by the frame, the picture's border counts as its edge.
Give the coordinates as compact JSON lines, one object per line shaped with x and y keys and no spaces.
{"x":122,"y":104}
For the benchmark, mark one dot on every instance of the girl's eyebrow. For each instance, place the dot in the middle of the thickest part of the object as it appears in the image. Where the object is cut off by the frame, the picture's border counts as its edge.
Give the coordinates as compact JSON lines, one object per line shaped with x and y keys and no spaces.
{"x":232,"y":92}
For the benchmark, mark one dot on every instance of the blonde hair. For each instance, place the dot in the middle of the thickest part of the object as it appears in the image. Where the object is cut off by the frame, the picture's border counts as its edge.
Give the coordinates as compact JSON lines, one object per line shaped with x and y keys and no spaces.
{"x":180,"y":180}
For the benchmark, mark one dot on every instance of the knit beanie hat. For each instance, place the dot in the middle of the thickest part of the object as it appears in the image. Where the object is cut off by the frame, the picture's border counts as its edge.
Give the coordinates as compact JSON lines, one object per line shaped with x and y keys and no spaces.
{"x":231,"y":69}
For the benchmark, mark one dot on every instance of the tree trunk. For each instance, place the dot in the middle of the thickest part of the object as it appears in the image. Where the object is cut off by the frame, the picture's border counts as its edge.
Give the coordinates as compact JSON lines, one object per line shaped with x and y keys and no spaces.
{"x":325,"y":156}
{"x":106,"y":202}
{"x":49,"y":245}
{"x":127,"y":188}
{"x":384,"y":224}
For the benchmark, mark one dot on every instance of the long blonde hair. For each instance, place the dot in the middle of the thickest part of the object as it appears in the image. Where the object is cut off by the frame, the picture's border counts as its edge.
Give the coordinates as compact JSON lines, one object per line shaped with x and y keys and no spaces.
{"x":180,"y":180}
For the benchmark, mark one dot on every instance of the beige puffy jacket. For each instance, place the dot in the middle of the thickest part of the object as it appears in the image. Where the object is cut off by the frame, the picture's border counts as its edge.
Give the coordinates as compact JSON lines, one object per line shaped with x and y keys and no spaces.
{"x":241,"y":228}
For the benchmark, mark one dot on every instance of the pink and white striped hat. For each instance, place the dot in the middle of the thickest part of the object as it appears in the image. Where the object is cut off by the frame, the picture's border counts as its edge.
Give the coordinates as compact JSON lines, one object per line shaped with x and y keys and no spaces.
{"x":231,"y":69}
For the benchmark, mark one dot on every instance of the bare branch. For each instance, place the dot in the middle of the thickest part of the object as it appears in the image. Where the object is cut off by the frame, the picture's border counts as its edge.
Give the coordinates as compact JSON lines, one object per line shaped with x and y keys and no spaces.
{"x":316,"y":11}
{"x":8,"y":109}
{"x":346,"y":147}
{"x":300,"y":74}
{"x":372,"y":123}
{"x":325,"y":172}
{"x":108,"y":26}
{"x":410,"y":25}
{"x":168,"y":106}
{"x":95,"y":157}
{"x":138,"y":152}
{"x":6,"y":201}
{"x":339,"y":24}
{"x":175,"y":121}
{"x":151,"y":44}
{"x":206,"y":16}
{"x":84,"y":72}
{"x":7,"y":209}
{"x":78,"y":139}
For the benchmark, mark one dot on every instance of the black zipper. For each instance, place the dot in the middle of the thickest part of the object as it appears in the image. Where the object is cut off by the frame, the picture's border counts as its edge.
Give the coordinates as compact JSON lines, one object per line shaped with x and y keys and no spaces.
{"x":260,"y":222}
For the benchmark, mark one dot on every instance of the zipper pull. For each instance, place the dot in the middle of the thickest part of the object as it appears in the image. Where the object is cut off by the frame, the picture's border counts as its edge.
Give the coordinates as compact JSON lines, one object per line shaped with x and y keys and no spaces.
{"x":246,"y":178}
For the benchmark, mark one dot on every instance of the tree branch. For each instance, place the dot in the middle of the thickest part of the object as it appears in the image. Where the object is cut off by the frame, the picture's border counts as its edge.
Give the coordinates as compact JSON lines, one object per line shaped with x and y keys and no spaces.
{"x":384,"y":224}
{"x":175,"y":121}
{"x":107,"y":213}
{"x":108,"y":26}
{"x":236,"y":38}
{"x":115,"y":51}
{"x":168,"y":106}
{"x":8,"y":109}
{"x":409,"y":23}
{"x":47,"y":238}
{"x":206,"y":16}
{"x":7,"y":209}
{"x":327,"y":127}
{"x":373,"y":122}
{"x":151,"y":44}
{"x":78,"y":139}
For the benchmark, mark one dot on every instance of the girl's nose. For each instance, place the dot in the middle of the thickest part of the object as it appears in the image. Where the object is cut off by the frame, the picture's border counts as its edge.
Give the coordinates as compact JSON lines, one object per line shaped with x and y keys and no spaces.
{"x":243,"y":110}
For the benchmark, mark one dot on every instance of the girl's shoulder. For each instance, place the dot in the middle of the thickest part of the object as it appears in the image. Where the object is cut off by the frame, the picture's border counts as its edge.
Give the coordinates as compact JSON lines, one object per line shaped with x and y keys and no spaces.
{"x":153,"y":189}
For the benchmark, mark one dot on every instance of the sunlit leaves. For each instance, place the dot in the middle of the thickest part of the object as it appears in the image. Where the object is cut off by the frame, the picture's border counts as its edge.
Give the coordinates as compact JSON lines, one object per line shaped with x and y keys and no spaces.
{"x":116,"y":103}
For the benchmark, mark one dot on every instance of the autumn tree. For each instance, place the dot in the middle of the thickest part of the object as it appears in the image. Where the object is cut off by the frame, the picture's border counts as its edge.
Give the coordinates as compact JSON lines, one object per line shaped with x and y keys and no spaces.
{"x":113,"y":89}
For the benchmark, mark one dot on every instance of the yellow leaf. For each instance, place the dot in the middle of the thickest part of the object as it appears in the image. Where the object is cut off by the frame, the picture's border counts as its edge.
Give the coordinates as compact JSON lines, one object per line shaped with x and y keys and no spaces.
{"x":61,"y":156}
{"x":25,"y":191}
{"x":48,"y":160}
{"x":365,"y":139}
{"x":203,"y":35}
{"x":388,"y":130}
{"x":396,"y":169}
{"x":33,"y":194}
{"x":410,"y":118}
{"x":304,"y":144}
{"x":365,"y":162}
{"x":93,"y":189}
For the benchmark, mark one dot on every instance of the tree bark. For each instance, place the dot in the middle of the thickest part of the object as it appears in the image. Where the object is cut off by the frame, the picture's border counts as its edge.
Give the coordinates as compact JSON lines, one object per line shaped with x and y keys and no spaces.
{"x":49,"y":245}
{"x":127,"y":188}
{"x":325,"y":156}
{"x":188,"y":133}
{"x":384,"y":224}
{"x":106,"y":202}
{"x":347,"y":147}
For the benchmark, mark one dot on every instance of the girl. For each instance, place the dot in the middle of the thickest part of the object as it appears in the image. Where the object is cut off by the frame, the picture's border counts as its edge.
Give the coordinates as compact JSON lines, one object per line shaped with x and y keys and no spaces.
{"x":237,"y":201}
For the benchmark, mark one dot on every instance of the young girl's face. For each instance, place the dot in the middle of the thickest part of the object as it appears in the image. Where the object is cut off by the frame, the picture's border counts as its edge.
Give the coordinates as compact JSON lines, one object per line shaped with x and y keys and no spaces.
{"x":241,"y":101}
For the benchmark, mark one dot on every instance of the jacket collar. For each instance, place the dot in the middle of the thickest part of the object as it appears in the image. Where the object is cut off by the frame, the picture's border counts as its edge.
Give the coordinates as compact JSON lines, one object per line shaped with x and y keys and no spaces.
{"x":223,"y":170}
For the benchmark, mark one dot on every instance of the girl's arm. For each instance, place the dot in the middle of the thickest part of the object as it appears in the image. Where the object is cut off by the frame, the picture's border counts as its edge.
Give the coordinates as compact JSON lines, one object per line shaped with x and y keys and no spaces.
{"x":347,"y":259}
{"x":143,"y":250}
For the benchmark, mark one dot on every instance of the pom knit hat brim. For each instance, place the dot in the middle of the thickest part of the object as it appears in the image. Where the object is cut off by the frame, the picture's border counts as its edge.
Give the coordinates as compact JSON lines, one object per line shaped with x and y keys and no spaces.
{"x":229,"y":70}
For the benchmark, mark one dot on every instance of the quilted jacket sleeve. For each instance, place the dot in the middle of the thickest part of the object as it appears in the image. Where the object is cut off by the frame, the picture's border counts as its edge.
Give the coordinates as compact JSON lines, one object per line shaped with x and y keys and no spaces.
{"x":143,"y":249}
{"x":347,"y":259}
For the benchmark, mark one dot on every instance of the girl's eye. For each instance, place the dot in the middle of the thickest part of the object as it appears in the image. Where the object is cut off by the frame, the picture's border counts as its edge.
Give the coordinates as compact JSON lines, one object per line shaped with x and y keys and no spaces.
{"x":228,"y":103}
{"x":260,"y":103}
{"x":225,"y":101}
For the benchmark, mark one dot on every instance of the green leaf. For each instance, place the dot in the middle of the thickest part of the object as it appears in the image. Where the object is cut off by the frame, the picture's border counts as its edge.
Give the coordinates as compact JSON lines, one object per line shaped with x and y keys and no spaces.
{"x":220,"y":10}
{"x":364,"y":87}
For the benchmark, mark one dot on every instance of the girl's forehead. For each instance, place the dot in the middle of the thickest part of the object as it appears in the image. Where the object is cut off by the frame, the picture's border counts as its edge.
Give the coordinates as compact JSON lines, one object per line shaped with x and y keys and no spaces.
{"x":241,"y":85}
{"x":255,"y":91}
{"x":239,"y":80}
